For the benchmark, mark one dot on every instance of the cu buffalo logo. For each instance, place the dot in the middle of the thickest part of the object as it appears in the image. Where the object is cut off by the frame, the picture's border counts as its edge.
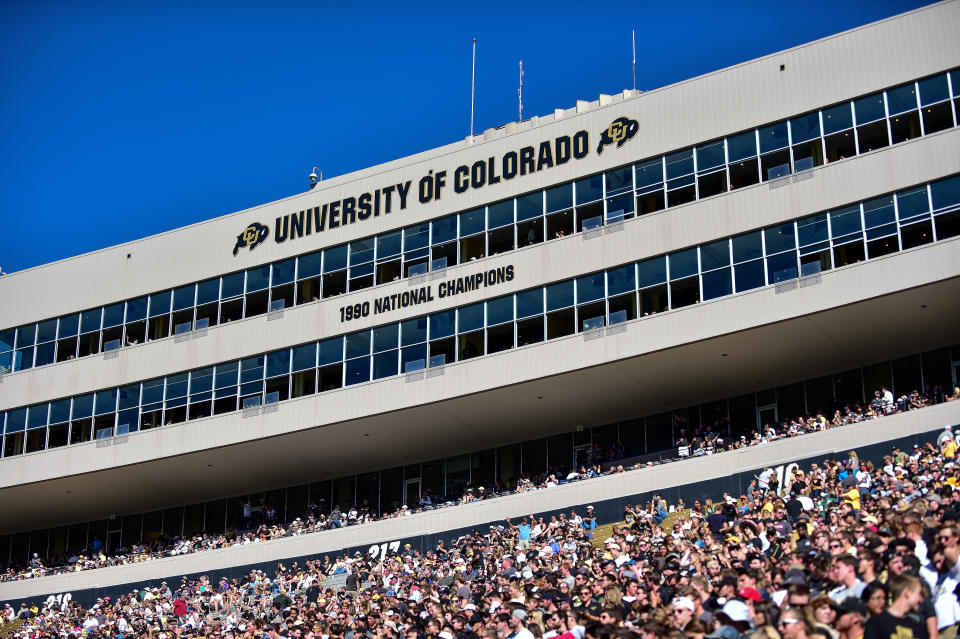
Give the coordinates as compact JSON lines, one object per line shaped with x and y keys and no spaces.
{"x":252,"y":237}
{"x":619,"y":131}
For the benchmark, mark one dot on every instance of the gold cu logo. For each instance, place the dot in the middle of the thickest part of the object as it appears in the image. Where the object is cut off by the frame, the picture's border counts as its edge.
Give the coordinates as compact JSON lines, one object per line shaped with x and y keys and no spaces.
{"x":251,"y":237}
{"x":619,"y":131}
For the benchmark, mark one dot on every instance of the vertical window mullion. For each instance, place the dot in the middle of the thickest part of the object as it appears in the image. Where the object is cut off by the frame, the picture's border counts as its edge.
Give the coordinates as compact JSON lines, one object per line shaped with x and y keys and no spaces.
{"x":856,"y":133}
{"x":863,"y":225}
{"x":886,"y":117}
{"x":763,"y":247}
{"x":756,"y":141}
{"x":933,"y":224}
{"x":733,"y":270}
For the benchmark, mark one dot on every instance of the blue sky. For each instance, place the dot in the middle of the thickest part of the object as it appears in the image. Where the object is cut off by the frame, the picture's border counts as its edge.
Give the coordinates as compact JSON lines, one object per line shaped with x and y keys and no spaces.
{"x":124,"y":119}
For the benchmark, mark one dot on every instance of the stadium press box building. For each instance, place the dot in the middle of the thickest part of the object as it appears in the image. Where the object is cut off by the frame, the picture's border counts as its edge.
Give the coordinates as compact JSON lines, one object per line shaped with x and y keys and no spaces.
{"x":769,"y":240}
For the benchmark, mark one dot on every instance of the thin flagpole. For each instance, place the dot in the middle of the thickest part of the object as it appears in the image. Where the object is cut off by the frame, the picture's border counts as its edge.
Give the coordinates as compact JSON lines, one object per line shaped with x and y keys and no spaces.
{"x":473,"y":75}
{"x":520,"y":92}
{"x":634,"y":59}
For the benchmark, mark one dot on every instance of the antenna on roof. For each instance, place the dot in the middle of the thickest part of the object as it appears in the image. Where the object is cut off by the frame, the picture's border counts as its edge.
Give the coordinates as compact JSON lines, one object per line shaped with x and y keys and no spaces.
{"x":520,"y":92}
{"x":634,"y":59}
{"x":473,"y":75}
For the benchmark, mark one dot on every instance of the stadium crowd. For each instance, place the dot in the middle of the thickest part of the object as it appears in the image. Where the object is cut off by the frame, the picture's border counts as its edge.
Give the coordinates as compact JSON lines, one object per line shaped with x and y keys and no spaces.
{"x":840,"y":550}
{"x":259,"y":522}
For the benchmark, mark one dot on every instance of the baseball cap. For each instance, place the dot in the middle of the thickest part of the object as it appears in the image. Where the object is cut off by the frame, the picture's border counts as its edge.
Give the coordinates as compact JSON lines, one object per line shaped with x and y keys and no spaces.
{"x":684,"y":602}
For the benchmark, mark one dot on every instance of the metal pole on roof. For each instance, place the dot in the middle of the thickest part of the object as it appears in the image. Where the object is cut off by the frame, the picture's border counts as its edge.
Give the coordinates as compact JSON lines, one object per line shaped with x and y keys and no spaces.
{"x":520,"y":92}
{"x":473,"y":75}
{"x":634,"y":59}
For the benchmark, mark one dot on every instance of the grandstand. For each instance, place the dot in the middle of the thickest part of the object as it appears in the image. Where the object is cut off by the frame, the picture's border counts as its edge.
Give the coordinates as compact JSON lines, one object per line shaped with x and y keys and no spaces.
{"x":606,"y":283}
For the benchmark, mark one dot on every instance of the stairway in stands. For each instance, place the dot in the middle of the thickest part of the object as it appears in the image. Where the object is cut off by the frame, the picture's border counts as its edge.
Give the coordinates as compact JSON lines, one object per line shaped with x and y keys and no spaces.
{"x":605,"y":531}
{"x":7,"y":630}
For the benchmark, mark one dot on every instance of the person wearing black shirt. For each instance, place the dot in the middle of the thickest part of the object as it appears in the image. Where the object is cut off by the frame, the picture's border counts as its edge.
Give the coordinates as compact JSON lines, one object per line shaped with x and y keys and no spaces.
{"x":895,"y":622}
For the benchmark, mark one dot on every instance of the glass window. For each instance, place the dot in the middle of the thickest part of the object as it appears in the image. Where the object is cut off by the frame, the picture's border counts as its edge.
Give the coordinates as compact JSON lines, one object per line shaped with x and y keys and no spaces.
{"x":471,"y":222}
{"x":806,"y":127}
{"x":837,"y":118}
{"x":500,"y":310}
{"x":529,"y":303}
{"x":6,"y":339}
{"x":176,"y":387}
{"x":715,"y":255}
{"x":717,"y":284}
{"x":500,"y":214}
{"x":89,"y":321}
{"x":251,"y":369}
{"x":912,"y":203}
{"x":413,"y":331}
{"x":530,"y":205}
{"x":231,"y":286}
{"x":26,"y":335}
{"x":742,"y":146}
{"x":225,"y":375}
{"x":106,"y":401}
{"x":208,"y":291}
{"x":444,"y":229}
{"x":183,"y":297}
{"x":358,"y":371}
{"x":309,"y":265}
{"x":710,"y":156}
{"x":780,"y":238}
{"x":358,"y":344}
{"x":37,"y":416}
{"x":944,"y":193}
{"x":844,"y":221}
{"x":60,"y":411}
{"x":621,"y":280}
{"x":934,"y":89}
{"x":16,"y":420}
{"x":679,"y":163}
{"x":652,"y":271}
{"x":112,"y":316}
{"x":385,"y":337}
{"x":560,"y":295}
{"x":258,"y":278}
{"x":471,"y":318}
{"x":773,"y":137}
{"x":129,"y":396}
{"x":283,"y":272}
{"x":69,"y":325}
{"x":683,"y":263}
{"x":878,"y":211}
{"x":749,"y":275}
{"x":589,"y":189}
{"x":442,"y":324}
{"x":361,"y":251}
{"x":335,"y":258}
{"x":812,"y":229}
{"x":82,"y":406}
{"x":560,"y":197}
{"x":747,"y":247}
{"x":619,"y":180}
{"x":330,"y":351}
{"x":390,"y":244}
{"x":159,"y":303}
{"x":590,"y":287}
{"x":649,"y":173}
{"x":869,"y":108}
{"x":304,"y":357}
{"x":416,"y":236}
{"x":782,"y":267}
{"x":902,"y":99}
{"x":278,"y":363}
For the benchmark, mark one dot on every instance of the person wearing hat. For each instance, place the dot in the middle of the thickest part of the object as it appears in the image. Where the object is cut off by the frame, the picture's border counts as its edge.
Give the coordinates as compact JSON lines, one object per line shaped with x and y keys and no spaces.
{"x":682,"y":611}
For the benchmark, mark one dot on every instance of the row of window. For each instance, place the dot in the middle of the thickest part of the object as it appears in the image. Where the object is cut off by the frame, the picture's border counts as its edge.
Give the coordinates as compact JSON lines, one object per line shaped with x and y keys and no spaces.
{"x":847,"y":235}
{"x":769,"y":152}
{"x":385,"y":490}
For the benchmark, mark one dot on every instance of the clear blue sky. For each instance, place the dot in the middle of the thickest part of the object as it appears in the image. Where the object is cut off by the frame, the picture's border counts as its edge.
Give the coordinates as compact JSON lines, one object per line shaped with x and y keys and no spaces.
{"x":124,"y":119}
